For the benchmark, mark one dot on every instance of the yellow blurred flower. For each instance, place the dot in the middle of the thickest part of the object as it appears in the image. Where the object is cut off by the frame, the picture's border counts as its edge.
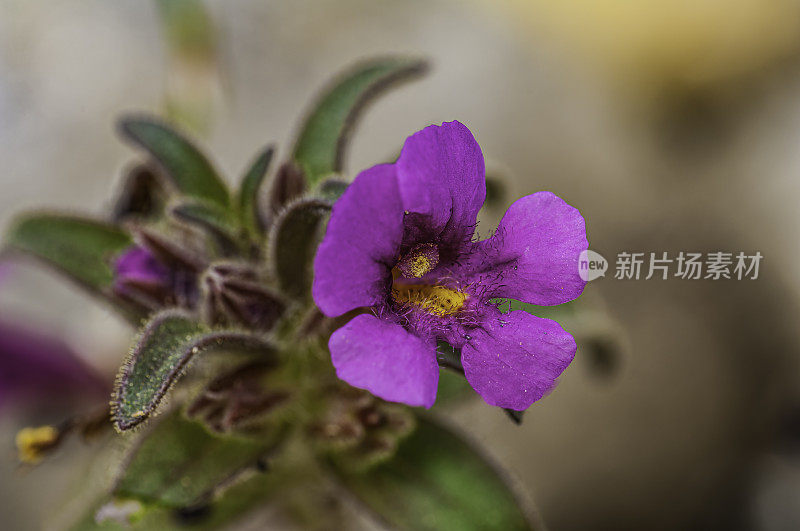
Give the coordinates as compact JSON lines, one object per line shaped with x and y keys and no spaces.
{"x":34,"y":443}
{"x":675,"y":43}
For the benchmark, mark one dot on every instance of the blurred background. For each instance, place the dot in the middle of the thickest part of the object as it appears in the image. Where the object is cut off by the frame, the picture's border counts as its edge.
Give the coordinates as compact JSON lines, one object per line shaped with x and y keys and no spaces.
{"x":673,"y":125}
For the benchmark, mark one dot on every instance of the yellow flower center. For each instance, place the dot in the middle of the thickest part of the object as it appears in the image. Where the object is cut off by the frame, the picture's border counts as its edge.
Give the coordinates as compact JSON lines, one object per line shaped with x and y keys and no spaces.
{"x":436,"y":300}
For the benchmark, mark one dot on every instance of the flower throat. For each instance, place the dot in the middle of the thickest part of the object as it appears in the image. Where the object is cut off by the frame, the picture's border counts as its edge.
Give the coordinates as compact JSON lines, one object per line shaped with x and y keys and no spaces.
{"x":434,"y":299}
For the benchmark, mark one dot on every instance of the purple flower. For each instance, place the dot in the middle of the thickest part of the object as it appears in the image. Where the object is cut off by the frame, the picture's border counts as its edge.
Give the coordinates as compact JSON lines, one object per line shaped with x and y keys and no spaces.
{"x":140,"y":277}
{"x":137,"y":266}
{"x":36,"y":367}
{"x":400,"y":241}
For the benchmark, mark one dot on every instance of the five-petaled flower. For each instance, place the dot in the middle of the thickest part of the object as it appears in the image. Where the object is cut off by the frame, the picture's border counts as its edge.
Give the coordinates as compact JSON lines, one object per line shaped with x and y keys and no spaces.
{"x":400,"y":241}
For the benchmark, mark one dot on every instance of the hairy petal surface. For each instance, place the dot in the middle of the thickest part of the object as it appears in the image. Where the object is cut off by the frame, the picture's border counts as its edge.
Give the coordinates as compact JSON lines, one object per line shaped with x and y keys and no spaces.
{"x":533,"y":255}
{"x":441,"y":175}
{"x":353,"y":262}
{"x":515,"y":358}
{"x":386,"y":360}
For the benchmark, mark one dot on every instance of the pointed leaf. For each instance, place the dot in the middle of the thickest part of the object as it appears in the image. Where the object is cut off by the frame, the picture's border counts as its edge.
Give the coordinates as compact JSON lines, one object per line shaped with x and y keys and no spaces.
{"x":215,"y":221}
{"x":180,"y":463}
{"x":438,"y":482}
{"x":79,"y":247}
{"x":293,"y":242}
{"x":158,"y":358}
{"x":249,"y":211}
{"x":190,"y":171}
{"x":323,"y":138}
{"x":332,"y":189}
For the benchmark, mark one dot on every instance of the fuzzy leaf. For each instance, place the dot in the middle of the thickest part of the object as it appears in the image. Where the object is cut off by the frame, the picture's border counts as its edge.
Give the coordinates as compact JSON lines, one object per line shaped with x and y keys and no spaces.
{"x":436,"y":481}
{"x":249,"y":191}
{"x":215,"y":221}
{"x":320,"y":147}
{"x":190,"y":171}
{"x":332,"y":189}
{"x":80,"y":247}
{"x":158,"y":358}
{"x":293,"y":242}
{"x":180,"y":463}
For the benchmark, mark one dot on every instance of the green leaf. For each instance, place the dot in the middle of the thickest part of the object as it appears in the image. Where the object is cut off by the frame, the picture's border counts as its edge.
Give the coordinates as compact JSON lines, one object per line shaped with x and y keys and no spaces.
{"x":233,"y":505}
{"x":249,"y":191}
{"x":180,"y":463}
{"x":323,"y":138}
{"x":436,"y":481}
{"x":79,"y":247}
{"x":189,"y":170}
{"x":293,"y":243}
{"x":158,"y":358}
{"x":332,"y":189}
{"x":215,"y":221}
{"x":556,"y":313}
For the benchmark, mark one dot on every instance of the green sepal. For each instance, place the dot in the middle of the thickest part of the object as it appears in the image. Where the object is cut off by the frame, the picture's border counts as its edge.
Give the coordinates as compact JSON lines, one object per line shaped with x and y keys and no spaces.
{"x":292,"y":244}
{"x":436,"y":481}
{"x":188,"y":169}
{"x":216,"y":222}
{"x":81,"y":248}
{"x":324,"y":135}
{"x":159,"y":356}
{"x":180,"y":463}
{"x":249,"y":190}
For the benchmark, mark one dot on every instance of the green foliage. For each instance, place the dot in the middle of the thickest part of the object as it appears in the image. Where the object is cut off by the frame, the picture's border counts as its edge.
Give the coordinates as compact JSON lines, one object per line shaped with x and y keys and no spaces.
{"x":249,"y":191}
{"x":556,"y":313}
{"x":436,"y":481}
{"x":181,"y":463}
{"x":218,"y":222}
{"x":188,"y":169}
{"x":323,"y":138}
{"x":293,"y":244}
{"x":80,"y":247}
{"x":158,"y":358}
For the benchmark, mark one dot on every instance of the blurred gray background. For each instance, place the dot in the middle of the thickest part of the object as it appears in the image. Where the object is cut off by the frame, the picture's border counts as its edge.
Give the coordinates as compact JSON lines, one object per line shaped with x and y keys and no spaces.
{"x":689,"y":415}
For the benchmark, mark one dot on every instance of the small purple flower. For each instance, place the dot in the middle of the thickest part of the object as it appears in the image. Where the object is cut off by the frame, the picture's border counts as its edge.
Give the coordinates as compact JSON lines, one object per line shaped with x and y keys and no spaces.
{"x":139,"y":276}
{"x":35,"y":367}
{"x":138,"y":266}
{"x":400,"y":241}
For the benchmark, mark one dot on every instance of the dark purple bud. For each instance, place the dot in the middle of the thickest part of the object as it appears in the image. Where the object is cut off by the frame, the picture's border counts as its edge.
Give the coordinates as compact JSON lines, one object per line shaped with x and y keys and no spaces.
{"x":173,"y":254}
{"x":140,"y":196}
{"x":240,"y":399}
{"x":289,"y":184}
{"x":234,"y":296}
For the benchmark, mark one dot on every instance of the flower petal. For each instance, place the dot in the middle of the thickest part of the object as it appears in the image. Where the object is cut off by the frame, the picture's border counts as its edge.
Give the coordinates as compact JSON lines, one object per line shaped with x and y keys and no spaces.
{"x":138,"y":265}
{"x":353,"y":263}
{"x":35,"y":367}
{"x":441,"y":175}
{"x":533,"y":255}
{"x":515,"y":358}
{"x":386,"y":360}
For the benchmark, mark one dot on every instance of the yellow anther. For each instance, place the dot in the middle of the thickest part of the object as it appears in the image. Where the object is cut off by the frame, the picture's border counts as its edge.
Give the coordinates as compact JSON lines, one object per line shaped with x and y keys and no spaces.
{"x":436,"y":300}
{"x":419,"y":261}
{"x":33,"y":443}
{"x":419,"y":266}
